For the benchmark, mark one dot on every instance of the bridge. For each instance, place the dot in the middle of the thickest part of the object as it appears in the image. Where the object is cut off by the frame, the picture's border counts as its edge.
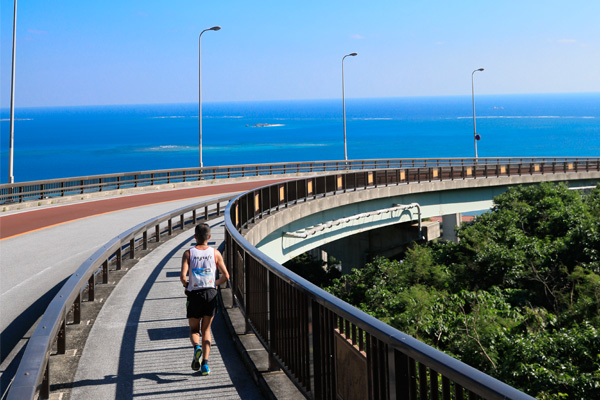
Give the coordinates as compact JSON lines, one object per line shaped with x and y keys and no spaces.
{"x":306,"y":332}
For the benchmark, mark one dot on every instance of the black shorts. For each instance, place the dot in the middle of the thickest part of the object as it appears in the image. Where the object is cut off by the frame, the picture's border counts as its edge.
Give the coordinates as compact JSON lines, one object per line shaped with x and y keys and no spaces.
{"x":201,"y":303}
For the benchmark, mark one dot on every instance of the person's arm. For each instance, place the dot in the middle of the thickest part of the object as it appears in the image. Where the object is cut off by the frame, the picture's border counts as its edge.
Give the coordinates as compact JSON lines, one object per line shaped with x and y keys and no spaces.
{"x":222,"y":268}
{"x":185,"y":266}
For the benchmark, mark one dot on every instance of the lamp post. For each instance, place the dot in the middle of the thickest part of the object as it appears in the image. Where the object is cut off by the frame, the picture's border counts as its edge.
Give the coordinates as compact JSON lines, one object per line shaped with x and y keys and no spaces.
{"x":475,"y":135}
{"x":11,"y":178}
{"x":344,"y":104}
{"x":214,"y":28}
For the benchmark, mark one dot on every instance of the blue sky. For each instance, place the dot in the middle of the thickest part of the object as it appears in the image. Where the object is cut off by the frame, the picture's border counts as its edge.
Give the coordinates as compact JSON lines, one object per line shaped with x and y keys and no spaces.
{"x":138,"y":52}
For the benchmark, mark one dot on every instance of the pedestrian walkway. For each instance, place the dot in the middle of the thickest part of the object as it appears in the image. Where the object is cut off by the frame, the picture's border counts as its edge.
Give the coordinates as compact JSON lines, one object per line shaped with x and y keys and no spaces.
{"x":139,"y":345}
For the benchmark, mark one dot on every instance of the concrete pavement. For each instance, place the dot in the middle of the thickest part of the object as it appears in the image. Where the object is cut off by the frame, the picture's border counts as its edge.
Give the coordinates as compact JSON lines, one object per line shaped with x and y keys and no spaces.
{"x":139,"y":344}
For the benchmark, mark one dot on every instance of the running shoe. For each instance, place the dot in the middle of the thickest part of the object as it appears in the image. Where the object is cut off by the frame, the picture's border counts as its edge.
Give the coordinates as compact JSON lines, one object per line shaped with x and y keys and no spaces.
{"x":205,"y":370}
{"x":196,"y":360}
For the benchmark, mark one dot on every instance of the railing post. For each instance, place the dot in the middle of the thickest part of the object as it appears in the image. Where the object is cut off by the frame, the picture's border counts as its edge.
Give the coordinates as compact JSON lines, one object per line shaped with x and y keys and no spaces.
{"x":157,"y":233}
{"x":181,"y":222}
{"x":194,"y":217}
{"x":119,"y":257}
{"x":132,"y":248}
{"x":92,"y":287}
{"x":77,"y":310}
{"x":61,"y":338}
{"x":273,"y":323}
{"x":170,"y":223}
{"x":206,"y":213}
{"x":105,"y":272}
{"x":145,"y":240}
{"x":311,"y":344}
{"x":45,"y":387}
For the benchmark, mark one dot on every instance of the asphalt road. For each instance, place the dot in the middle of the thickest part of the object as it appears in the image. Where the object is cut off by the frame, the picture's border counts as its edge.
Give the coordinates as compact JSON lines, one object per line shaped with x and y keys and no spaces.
{"x":40,"y":249}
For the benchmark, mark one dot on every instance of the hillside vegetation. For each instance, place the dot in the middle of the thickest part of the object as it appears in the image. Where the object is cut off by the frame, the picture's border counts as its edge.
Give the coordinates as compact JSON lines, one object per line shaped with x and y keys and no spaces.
{"x":518,"y":296}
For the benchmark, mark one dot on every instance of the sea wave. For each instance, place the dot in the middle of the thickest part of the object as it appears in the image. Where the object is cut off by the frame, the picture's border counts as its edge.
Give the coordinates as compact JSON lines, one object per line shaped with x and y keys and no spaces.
{"x":372,"y":119}
{"x":16,"y":119}
{"x":221,"y":116}
{"x":528,"y":117}
{"x":167,"y":147}
{"x":169,"y":117}
{"x":264,"y":146}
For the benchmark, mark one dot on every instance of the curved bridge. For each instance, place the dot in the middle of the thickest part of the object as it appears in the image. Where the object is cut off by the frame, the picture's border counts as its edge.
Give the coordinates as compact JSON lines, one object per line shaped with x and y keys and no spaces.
{"x":326,"y":345}
{"x":385,"y":201}
{"x":307,"y":332}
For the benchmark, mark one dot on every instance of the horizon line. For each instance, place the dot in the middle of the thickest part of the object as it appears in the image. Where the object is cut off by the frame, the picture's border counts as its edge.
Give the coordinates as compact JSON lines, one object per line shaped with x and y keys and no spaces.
{"x":303,"y":100}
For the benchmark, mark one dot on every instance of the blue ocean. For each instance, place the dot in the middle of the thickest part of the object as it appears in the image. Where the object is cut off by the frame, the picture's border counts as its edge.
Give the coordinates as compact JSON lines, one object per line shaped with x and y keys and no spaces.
{"x":77,"y":141}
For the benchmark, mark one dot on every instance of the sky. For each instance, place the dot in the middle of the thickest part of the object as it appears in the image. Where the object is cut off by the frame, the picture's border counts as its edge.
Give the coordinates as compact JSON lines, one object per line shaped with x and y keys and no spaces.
{"x":72,"y":53}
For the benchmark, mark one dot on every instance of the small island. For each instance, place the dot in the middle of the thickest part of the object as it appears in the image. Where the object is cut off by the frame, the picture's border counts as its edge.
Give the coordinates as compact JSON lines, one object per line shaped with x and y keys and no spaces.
{"x":263,"y":125}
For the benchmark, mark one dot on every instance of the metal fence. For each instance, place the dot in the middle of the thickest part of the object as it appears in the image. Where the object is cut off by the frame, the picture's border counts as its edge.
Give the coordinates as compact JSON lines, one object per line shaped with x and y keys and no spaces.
{"x":39,"y":190}
{"x":307,"y":332}
{"x":330,"y":349}
{"x":32,"y":378}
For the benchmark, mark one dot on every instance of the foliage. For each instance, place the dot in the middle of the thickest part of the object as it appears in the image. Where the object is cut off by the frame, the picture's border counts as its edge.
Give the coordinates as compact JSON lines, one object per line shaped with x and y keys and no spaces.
{"x":312,"y":270}
{"x":517,"y":297}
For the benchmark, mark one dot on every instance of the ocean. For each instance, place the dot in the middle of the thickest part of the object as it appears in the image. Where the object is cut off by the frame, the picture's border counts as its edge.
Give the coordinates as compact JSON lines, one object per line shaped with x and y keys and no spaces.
{"x":58,"y":142}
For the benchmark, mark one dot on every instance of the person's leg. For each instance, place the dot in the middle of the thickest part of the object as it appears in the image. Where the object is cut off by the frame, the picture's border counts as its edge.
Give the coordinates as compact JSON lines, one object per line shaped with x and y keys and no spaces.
{"x":206,"y":338}
{"x":194,"y":331}
{"x":195,"y":339}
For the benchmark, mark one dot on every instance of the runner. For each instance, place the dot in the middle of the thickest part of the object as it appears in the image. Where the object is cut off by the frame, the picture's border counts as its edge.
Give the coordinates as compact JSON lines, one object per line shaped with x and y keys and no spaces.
{"x":201,"y":262}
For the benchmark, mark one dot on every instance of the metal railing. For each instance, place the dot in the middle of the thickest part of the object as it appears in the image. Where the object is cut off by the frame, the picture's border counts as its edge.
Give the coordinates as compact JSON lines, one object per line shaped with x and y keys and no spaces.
{"x":33,"y":375}
{"x":39,"y":190}
{"x":309,"y":333}
{"x":301,"y":325}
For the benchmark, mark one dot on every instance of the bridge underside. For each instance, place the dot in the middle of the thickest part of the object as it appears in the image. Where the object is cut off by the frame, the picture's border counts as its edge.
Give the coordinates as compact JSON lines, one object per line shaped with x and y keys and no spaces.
{"x":275,"y":237}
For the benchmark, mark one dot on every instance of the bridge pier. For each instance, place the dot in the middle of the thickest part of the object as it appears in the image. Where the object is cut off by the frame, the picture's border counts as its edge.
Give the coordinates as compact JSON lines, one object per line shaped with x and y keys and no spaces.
{"x":449,"y":224}
{"x":356,"y":250}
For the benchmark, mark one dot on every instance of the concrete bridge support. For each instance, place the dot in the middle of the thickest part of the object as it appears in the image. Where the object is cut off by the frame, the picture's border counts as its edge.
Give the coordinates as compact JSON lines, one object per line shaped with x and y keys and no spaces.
{"x":449,"y":224}
{"x":390,"y":241}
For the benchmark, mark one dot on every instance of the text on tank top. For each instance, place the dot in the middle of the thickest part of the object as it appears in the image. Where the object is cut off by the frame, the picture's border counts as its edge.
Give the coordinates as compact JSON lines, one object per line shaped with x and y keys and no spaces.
{"x":202,"y":269}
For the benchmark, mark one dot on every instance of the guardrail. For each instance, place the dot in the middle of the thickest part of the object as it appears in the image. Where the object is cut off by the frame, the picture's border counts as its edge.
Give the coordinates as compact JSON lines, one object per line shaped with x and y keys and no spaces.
{"x":309,"y":333}
{"x":38,"y":190}
{"x":33,"y":375}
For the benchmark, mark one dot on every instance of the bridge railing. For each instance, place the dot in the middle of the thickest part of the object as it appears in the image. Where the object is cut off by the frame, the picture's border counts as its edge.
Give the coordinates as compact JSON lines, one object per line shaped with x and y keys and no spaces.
{"x":39,"y":190}
{"x":329,"y":348}
{"x":32,"y":378}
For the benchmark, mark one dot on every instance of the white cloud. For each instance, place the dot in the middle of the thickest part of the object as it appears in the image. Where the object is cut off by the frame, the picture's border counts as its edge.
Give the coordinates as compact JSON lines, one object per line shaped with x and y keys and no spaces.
{"x":440,"y":43}
{"x":36,"y":32}
{"x":356,"y":36}
{"x":567,"y":41}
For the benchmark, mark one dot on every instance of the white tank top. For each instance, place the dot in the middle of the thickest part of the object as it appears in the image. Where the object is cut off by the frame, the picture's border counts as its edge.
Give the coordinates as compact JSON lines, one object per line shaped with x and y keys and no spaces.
{"x":202,"y":269}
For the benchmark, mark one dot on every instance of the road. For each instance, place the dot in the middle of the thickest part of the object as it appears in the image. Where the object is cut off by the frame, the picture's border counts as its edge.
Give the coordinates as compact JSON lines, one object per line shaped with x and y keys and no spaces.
{"x":41,"y":248}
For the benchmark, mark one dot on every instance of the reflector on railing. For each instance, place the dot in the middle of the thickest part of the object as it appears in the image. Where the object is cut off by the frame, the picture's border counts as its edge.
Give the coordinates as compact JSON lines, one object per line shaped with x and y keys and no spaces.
{"x":469,"y":171}
{"x":281,"y":193}
{"x":256,"y":202}
{"x":536,"y":168}
{"x":370,"y":178}
{"x":570,"y":166}
{"x":309,"y":189}
{"x":435,"y":172}
{"x":339,"y":182}
{"x":402,"y":175}
{"x":503,"y":169}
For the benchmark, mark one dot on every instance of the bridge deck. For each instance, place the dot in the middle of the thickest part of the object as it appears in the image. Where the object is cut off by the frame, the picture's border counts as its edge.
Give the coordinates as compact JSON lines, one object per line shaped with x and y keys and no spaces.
{"x":139,"y":345}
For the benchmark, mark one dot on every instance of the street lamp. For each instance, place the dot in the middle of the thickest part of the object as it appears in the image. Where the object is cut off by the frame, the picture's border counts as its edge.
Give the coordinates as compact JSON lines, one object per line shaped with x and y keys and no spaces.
{"x":476,"y":137}
{"x":214,"y":28}
{"x":11,"y":178}
{"x":344,"y":104}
